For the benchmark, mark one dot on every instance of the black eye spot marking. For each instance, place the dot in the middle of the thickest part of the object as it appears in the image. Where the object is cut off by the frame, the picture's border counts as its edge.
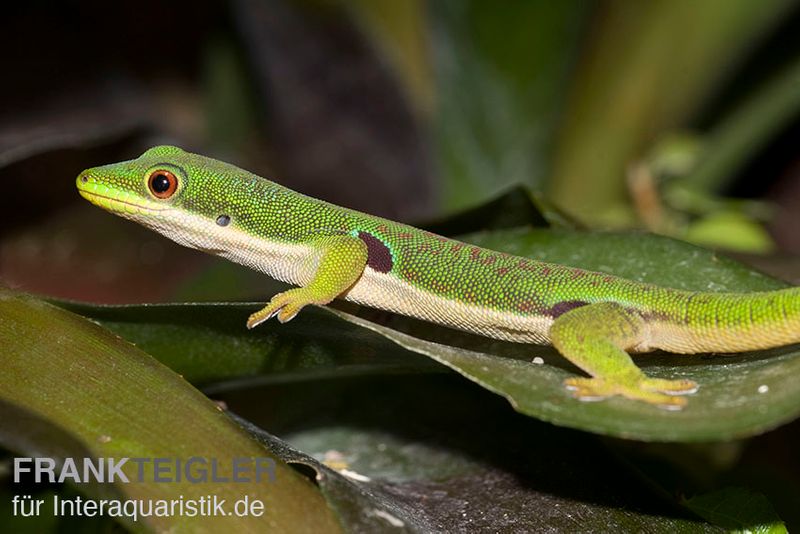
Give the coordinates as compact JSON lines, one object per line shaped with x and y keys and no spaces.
{"x":379,"y":257}
{"x":223,"y":220}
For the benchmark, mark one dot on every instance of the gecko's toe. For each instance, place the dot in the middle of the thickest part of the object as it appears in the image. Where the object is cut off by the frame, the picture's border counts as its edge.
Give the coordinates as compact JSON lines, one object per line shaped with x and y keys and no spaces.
{"x":586,"y":389}
{"x":255,"y":319}
{"x":594,"y":389}
{"x":273,"y":308}
{"x":670,"y":387}
{"x":288,"y":313}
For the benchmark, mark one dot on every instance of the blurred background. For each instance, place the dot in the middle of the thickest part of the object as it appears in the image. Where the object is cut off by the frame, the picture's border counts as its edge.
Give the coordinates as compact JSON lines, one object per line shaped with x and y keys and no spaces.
{"x":674,"y":116}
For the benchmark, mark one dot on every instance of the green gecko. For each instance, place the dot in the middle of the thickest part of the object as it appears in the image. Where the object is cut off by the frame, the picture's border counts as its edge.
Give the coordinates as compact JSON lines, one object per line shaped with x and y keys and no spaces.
{"x":593,"y":319}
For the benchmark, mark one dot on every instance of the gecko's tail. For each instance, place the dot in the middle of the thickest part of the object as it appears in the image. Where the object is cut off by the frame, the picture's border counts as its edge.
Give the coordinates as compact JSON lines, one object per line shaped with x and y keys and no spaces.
{"x":735,"y":322}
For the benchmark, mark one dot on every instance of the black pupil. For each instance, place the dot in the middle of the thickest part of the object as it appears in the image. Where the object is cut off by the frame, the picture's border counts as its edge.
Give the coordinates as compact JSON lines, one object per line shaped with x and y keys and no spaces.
{"x":160,"y":183}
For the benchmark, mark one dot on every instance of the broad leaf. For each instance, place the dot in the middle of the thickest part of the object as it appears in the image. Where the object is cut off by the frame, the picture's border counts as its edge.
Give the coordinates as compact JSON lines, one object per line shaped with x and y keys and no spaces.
{"x":434,"y":451}
{"x":739,"y":510}
{"x":72,"y":389}
{"x":740,"y":394}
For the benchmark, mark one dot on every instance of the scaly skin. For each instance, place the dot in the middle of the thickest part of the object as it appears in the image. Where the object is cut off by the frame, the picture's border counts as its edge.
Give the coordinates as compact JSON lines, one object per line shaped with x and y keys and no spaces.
{"x":593,"y":319}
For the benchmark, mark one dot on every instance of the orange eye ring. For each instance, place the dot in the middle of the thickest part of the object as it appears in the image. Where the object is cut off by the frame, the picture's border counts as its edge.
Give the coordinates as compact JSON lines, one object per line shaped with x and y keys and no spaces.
{"x":162,"y":183}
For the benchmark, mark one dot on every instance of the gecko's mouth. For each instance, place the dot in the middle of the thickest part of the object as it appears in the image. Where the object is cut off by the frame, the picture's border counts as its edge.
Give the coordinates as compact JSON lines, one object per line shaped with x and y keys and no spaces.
{"x":115,"y":201}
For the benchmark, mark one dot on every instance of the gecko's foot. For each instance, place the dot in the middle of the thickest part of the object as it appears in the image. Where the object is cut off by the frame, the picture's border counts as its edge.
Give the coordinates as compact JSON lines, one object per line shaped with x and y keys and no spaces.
{"x":285,"y":305}
{"x":659,"y":392}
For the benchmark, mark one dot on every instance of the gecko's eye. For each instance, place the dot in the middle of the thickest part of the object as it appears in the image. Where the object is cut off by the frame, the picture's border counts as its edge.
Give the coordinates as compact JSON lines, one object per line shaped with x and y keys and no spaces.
{"x":162,"y":183}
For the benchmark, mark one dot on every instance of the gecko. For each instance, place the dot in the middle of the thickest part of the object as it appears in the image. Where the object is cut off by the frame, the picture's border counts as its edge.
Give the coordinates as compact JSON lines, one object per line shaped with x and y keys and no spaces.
{"x":594,"y":319}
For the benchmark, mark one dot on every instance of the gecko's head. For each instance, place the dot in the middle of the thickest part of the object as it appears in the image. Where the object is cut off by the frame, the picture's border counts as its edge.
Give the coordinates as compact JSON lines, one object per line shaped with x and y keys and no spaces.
{"x":182,"y":195}
{"x":142,"y":187}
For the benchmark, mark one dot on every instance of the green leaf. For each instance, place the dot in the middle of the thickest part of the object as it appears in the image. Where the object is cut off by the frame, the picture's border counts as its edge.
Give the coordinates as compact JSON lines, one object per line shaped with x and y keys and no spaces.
{"x":72,"y":389}
{"x":732,"y":230}
{"x":207,"y":343}
{"x":739,"y":510}
{"x":501,"y":75}
{"x":740,"y":395}
{"x":433,"y":451}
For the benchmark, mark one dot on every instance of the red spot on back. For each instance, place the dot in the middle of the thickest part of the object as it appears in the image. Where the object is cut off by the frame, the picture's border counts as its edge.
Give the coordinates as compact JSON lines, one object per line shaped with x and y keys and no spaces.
{"x":526,"y":265}
{"x":410,"y":275}
{"x":527,"y":305}
{"x":502,"y":270}
{"x":487,"y":259}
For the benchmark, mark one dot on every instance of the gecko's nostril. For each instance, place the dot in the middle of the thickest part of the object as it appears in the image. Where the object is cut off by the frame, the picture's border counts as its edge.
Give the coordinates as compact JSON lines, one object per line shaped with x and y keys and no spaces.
{"x":84,"y":178}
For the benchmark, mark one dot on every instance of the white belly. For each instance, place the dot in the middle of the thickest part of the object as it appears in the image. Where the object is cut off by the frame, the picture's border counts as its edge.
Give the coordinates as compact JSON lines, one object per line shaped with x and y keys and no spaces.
{"x":387,"y":292}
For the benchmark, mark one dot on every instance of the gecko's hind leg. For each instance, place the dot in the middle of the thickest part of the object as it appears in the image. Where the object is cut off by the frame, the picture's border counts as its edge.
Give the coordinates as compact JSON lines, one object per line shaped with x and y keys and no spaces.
{"x":595,"y":337}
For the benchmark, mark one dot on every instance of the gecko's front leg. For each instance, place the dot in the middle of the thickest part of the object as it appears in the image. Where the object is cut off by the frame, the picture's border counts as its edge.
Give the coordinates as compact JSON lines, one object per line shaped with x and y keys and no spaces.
{"x":342,"y":260}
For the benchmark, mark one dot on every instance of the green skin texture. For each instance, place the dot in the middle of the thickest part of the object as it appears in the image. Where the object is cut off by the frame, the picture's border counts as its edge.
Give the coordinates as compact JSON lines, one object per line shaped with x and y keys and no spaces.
{"x":594,"y":319}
